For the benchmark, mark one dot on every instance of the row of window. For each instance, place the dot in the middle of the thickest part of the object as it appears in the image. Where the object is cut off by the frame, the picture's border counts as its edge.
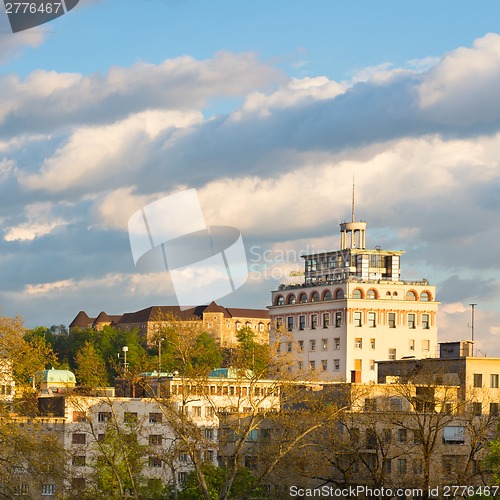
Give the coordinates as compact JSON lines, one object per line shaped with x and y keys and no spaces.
{"x":494,"y":380}
{"x":371,"y":320}
{"x":357,"y":293}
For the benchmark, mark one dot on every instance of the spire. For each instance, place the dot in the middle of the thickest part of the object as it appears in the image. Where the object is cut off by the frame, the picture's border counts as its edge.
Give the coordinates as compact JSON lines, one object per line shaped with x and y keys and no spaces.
{"x":353,"y":234}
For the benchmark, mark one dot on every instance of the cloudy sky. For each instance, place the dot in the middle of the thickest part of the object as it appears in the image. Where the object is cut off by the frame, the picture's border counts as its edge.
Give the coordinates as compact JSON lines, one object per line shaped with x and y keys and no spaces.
{"x":268,"y":109}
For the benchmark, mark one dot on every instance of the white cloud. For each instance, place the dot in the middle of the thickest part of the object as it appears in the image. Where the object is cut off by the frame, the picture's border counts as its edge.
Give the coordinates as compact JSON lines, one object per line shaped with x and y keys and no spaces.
{"x":463,"y":89}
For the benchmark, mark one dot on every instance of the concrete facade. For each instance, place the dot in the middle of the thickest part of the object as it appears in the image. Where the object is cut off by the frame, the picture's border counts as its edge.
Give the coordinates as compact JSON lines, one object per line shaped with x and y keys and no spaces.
{"x":353,"y":310}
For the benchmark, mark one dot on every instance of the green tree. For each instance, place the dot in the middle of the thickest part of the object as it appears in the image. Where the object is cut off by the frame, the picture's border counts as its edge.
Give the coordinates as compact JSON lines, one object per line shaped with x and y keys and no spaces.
{"x":91,"y":368}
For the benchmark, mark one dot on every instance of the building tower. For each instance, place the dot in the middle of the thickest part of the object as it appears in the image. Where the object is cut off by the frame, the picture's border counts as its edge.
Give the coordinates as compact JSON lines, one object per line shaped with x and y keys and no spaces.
{"x":353,"y":309}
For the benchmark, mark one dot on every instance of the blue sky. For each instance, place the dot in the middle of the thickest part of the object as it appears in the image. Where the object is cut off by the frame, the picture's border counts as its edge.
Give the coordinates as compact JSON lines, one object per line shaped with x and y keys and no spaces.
{"x":268,"y":109}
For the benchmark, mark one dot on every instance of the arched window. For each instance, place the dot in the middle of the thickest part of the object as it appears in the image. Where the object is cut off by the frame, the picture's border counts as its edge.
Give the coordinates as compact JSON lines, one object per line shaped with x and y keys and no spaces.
{"x":327,"y":295}
{"x":291,"y":299}
{"x":425,"y":296}
{"x":280,"y":300}
{"x":339,"y":294}
{"x":371,"y":294}
{"x":315,"y":297}
{"x":357,"y":293}
{"x":395,"y":294}
{"x":302,"y":298}
{"x":410,"y":295}
{"x":388,"y":293}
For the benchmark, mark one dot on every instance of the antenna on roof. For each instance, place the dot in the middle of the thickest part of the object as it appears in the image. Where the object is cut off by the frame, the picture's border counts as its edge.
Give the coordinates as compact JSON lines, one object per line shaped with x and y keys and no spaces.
{"x":352,"y":212}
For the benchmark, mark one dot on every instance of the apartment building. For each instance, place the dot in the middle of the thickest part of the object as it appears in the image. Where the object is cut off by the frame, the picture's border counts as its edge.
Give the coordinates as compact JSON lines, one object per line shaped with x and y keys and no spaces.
{"x":89,"y":427}
{"x":353,"y":309}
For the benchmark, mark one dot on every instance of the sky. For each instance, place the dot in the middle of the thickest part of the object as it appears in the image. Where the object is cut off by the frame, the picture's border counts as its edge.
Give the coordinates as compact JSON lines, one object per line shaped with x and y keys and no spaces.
{"x":268,"y":110}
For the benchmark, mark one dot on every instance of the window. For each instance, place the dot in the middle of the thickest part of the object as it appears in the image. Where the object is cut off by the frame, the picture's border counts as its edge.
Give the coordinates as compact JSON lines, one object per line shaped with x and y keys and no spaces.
{"x":424,"y":296}
{"x":401,"y":465}
{"x":388,"y":466}
{"x":326,"y":320}
{"x":392,"y":353}
{"x":477,"y":409}
{"x":324,"y":344}
{"x":208,"y":456}
{"x":103,"y":416}
{"x":336,"y":364}
{"x":154,"y":462}
{"x":155,"y":439}
{"x":328,"y":295}
{"x":417,"y":466}
{"x":101,"y":437}
{"x":279,"y":323}
{"x":312,"y":345}
{"x":280,"y":301}
{"x":412,"y":344}
{"x":155,"y":418}
{"x":21,"y":490}
{"x":358,"y":343}
{"x":339,"y":294}
{"x":453,"y":434}
{"x":372,"y":343}
{"x":250,"y":461}
{"x":357,"y":318}
{"x":338,"y":319}
{"x":402,"y":435}
{"x":452,"y":464}
{"x":130,"y":417}
{"x":315,"y":297}
{"x":371,"y":320}
{"x":290,"y":323}
{"x":79,"y":416}
{"x":372,"y":365}
{"x":78,"y":484}
{"x":494,"y":409}
{"x":392,"y":320}
{"x":301,"y":345}
{"x":371,"y":294}
{"x":478,"y":380}
{"x":209,"y":434}
{"x":371,"y":439}
{"x":425,"y":321}
{"x":396,"y":404}
{"x":302,"y":298}
{"x":494,"y":380}
{"x":291,"y":299}
{"x":301,"y":365}
{"x":411,"y":321}
{"x":181,"y":477}
{"x":196,"y":411}
{"x":312,"y":365}
{"x":426,"y":345}
{"x":356,"y":294}
{"x":78,"y":461}
{"x":48,"y":489}
{"x":410,"y":295}
{"x":78,"y":438}
{"x":324,"y":365}
{"x":289,"y":346}
{"x":314,"y":321}
{"x":336,"y":341}
{"x":210,"y":411}
{"x":302,"y":322}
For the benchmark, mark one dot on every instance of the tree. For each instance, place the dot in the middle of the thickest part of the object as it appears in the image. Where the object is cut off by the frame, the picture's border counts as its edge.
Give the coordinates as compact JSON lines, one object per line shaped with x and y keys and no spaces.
{"x":91,"y":368}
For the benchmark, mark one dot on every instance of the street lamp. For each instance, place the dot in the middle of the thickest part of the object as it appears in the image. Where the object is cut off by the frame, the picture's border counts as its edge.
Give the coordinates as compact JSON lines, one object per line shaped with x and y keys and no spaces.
{"x":160,"y":340}
{"x":125,"y":364}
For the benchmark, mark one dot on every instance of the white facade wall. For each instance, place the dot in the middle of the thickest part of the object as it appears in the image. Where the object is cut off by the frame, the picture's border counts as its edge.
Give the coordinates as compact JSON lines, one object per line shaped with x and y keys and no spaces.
{"x":365,"y":334}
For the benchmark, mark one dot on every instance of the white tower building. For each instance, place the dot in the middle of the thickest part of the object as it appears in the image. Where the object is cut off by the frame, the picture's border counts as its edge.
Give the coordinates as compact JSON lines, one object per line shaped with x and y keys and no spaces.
{"x":353,"y":309}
